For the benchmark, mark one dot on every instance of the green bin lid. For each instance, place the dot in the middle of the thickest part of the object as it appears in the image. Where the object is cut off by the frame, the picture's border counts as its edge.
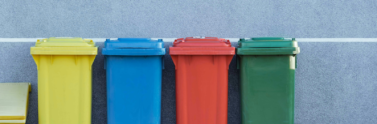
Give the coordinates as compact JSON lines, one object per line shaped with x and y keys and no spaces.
{"x":268,"y":46}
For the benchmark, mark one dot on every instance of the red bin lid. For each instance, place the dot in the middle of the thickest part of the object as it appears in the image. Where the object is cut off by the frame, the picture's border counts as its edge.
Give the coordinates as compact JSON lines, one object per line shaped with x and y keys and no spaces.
{"x":201,"y":46}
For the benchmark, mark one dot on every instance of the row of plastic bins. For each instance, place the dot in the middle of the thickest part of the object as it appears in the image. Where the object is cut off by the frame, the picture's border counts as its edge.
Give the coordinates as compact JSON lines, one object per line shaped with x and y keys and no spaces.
{"x":134,"y":70}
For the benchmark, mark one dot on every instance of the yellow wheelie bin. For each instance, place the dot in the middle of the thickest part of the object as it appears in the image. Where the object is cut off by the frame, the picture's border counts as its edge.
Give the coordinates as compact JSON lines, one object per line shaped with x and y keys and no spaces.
{"x":64,"y":79}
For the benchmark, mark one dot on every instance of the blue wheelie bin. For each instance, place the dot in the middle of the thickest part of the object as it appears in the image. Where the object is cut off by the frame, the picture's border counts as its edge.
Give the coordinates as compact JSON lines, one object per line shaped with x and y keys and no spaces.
{"x":133,"y":74}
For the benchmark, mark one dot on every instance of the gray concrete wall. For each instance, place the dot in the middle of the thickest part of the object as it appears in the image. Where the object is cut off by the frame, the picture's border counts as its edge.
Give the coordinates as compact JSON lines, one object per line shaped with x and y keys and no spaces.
{"x":181,"y":18}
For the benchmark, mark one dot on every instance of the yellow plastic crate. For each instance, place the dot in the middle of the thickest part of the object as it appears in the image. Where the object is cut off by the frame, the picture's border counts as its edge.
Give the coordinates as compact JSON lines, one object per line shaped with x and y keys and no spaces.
{"x":64,"y":79}
{"x":14,"y":99}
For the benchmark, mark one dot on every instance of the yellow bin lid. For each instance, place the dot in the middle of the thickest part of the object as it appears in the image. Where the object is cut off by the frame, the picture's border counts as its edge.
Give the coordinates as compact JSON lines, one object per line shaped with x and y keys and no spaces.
{"x":64,"y":46}
{"x":14,"y":99}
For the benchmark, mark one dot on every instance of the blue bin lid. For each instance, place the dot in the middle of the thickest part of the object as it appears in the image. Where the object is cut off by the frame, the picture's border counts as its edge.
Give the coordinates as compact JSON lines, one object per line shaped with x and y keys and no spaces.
{"x":134,"y":47}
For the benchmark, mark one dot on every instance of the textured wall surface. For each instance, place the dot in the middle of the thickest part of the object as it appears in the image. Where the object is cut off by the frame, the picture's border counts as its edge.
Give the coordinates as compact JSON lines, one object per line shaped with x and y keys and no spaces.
{"x":336,"y":83}
{"x":181,"y":18}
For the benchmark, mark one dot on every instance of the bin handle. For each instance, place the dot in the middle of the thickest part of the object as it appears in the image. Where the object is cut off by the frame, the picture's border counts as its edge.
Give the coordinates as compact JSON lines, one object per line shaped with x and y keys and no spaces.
{"x":295,"y":61}
{"x":238,"y":61}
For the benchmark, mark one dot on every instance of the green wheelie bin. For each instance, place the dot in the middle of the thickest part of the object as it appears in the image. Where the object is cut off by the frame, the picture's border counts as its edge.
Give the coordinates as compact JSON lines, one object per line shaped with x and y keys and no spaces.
{"x":267,"y":73}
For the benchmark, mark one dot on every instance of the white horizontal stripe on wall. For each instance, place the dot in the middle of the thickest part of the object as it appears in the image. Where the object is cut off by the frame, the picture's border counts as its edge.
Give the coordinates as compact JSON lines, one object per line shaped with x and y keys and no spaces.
{"x":231,"y":39}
